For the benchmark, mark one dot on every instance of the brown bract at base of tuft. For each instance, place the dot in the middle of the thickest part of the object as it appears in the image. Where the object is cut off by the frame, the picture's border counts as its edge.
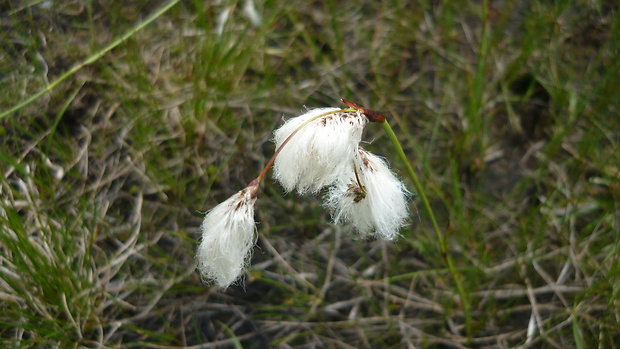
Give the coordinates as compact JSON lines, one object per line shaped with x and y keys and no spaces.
{"x":372,"y":115}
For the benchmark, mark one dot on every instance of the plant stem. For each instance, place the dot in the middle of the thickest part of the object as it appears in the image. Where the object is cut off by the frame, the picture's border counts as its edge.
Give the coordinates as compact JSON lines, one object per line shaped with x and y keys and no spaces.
{"x":89,"y":60}
{"x":443,"y":241}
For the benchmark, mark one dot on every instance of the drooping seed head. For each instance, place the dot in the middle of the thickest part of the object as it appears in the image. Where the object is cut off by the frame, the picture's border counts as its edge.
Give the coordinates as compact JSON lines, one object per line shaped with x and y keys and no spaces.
{"x":228,"y":238}
{"x":320,"y":151}
{"x":382,"y":211}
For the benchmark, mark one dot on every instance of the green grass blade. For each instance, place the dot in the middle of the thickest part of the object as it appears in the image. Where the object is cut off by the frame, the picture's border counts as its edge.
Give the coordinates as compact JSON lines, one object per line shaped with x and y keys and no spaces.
{"x":93,"y":58}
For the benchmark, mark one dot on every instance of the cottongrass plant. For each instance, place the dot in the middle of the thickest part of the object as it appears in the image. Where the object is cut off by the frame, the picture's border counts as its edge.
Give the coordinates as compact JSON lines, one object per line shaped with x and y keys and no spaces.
{"x":228,"y":238}
{"x":315,"y":150}
{"x":370,"y":198}
{"x":321,"y":150}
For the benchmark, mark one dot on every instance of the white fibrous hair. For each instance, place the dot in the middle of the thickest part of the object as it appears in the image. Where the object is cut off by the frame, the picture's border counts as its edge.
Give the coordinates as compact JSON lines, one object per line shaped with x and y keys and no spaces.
{"x":378,"y":208}
{"x":320,"y":151}
{"x":228,"y":238}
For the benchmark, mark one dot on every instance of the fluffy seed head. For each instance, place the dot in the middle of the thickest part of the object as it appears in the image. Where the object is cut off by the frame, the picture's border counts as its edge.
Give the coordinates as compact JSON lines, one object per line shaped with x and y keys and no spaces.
{"x":320,"y":151}
{"x":376,"y":208}
{"x":227,"y":238}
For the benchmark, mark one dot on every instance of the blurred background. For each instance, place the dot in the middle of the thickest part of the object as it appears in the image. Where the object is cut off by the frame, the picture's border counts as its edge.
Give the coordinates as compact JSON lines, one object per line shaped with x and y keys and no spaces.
{"x":507,"y":110}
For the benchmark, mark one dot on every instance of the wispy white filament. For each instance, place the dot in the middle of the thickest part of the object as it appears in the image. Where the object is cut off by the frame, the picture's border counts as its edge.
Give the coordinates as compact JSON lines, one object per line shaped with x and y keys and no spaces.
{"x":222,"y":18}
{"x":228,"y":238}
{"x":320,"y":152}
{"x":379,"y":208}
{"x":250,"y":11}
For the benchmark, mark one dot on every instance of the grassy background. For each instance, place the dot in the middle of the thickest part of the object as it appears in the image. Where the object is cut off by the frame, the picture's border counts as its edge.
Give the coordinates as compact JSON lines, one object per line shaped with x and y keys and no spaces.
{"x":508,"y":111}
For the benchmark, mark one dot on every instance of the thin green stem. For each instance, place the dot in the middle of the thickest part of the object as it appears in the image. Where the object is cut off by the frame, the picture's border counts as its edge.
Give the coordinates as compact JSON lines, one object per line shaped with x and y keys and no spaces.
{"x":89,"y":60}
{"x":443,"y":241}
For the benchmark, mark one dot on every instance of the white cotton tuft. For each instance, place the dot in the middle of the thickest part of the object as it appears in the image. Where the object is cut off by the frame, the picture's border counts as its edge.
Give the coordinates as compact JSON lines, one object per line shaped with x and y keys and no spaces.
{"x":250,"y":12}
{"x":378,"y":209}
{"x":228,"y":238}
{"x":222,"y":18}
{"x":320,"y":152}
